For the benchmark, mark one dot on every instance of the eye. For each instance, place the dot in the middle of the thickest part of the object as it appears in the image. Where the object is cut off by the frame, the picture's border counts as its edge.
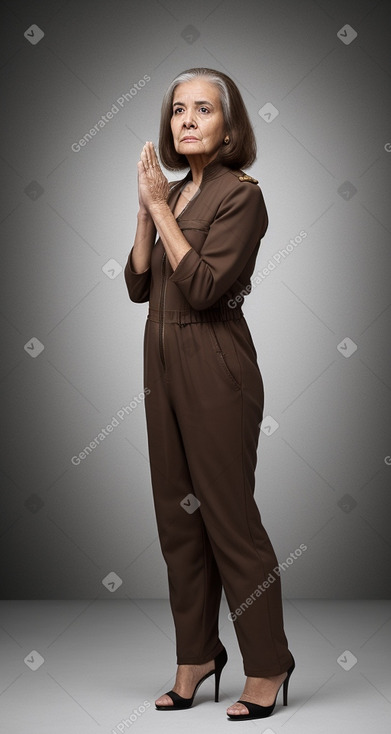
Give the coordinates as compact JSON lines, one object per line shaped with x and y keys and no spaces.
{"x":177,"y":109}
{"x":204,"y":108}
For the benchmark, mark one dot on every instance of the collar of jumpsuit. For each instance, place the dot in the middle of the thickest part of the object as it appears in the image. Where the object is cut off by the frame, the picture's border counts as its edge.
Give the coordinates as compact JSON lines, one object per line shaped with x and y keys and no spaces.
{"x":210,"y":171}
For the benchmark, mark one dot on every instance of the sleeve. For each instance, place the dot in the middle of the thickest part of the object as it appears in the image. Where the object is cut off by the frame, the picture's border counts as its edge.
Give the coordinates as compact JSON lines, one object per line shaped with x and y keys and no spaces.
{"x":138,"y":284}
{"x":240,"y":223}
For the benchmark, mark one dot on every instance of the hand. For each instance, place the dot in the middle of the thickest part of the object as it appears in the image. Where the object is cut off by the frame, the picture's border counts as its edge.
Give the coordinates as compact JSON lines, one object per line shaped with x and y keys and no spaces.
{"x":153,"y":186}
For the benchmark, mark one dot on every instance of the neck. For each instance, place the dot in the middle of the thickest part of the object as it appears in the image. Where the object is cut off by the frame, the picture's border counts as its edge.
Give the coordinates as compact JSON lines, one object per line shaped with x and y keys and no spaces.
{"x":197,"y":164}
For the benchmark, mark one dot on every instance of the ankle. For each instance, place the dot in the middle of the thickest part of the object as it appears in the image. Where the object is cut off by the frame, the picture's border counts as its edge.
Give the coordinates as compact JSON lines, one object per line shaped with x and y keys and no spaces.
{"x":272,"y":678}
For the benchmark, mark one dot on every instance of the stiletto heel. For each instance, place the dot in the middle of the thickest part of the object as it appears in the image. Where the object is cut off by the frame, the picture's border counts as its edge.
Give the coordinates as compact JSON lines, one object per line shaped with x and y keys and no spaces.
{"x":261,"y":712}
{"x":286,"y":683}
{"x":178,"y":702}
{"x":218,"y":676}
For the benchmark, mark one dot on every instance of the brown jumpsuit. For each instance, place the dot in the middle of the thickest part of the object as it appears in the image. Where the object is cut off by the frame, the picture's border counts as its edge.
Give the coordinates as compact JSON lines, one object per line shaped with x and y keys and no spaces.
{"x":203,"y":413}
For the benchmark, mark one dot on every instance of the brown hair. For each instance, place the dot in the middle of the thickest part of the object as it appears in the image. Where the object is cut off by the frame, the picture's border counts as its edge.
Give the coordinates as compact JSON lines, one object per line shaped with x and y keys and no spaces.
{"x":241,"y":150}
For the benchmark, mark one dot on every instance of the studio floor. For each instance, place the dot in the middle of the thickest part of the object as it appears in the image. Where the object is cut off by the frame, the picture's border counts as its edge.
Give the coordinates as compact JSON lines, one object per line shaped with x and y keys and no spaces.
{"x":96,"y":667}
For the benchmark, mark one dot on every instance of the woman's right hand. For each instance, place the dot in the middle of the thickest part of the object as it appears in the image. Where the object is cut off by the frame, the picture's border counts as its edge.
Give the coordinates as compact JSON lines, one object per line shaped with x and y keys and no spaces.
{"x":143,"y":211}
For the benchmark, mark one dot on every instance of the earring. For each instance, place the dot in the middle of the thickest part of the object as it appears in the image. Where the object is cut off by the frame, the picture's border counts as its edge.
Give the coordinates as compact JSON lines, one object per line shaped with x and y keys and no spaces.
{"x":226,"y":140}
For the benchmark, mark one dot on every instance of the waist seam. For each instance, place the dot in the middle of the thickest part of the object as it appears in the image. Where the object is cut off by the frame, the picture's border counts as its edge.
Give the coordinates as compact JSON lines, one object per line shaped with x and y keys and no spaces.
{"x":193,"y":317}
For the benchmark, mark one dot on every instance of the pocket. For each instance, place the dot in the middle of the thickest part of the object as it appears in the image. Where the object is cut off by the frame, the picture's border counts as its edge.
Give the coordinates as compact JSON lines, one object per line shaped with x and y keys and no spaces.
{"x":225,"y":357}
{"x":195,"y":231}
{"x":201,"y":224}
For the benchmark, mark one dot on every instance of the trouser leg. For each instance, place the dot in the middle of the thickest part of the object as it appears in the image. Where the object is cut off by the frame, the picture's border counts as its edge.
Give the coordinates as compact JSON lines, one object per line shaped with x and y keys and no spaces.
{"x":219,"y":406}
{"x":193,"y":577}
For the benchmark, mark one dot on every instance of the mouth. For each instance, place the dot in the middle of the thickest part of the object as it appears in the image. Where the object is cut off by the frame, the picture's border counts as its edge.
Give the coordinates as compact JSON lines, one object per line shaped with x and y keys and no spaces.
{"x":189,"y":139}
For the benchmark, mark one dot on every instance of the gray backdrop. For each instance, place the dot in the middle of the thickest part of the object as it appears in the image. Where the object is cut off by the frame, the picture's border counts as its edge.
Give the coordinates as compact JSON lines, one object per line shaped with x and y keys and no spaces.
{"x":317,"y":95}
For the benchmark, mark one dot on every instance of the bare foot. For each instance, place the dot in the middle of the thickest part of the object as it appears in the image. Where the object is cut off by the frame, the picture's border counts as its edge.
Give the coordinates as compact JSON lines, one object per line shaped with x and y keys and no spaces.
{"x":186,"y":680}
{"x":262,"y":691}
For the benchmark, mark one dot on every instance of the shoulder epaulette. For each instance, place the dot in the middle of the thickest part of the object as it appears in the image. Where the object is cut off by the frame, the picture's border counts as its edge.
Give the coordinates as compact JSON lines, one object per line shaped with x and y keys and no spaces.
{"x":245,"y":177}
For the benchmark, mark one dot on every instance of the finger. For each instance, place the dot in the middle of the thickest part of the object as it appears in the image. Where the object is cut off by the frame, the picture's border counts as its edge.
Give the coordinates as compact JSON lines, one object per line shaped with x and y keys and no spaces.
{"x":151,"y":149}
{"x":152,"y":153}
{"x":144,"y":159}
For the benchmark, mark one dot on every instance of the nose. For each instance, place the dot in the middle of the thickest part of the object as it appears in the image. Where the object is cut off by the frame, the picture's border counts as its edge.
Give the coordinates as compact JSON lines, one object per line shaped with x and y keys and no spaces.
{"x":188,"y":122}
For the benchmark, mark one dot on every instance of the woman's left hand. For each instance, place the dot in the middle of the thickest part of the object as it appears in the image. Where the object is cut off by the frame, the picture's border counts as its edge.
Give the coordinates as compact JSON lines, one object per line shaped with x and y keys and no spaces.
{"x":153,"y":185}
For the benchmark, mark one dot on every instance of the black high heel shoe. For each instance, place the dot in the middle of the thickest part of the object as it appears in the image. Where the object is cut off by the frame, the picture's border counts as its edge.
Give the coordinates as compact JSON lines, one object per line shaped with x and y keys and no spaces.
{"x":261,"y":712}
{"x":178,"y":702}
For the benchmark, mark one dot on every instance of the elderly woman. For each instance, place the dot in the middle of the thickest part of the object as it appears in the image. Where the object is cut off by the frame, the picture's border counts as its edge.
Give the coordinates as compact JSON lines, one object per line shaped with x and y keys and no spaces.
{"x":205,"y":391}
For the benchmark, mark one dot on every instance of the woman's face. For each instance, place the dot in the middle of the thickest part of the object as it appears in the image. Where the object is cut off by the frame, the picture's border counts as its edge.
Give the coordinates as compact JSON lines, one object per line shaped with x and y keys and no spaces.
{"x":197,"y":122}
